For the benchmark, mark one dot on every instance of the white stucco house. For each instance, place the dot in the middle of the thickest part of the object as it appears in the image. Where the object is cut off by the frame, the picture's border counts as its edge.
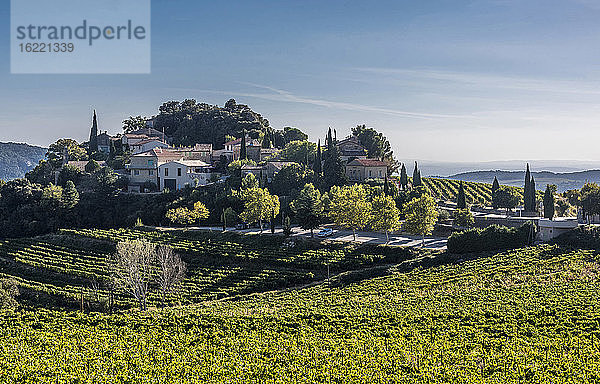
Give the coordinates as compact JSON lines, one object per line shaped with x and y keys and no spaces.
{"x":549,"y":229}
{"x":175,"y":175}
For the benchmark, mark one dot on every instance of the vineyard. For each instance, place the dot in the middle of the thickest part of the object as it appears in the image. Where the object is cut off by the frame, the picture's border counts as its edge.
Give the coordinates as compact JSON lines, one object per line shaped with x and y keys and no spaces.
{"x":530,"y":315}
{"x":445,"y":189}
{"x":66,"y":266}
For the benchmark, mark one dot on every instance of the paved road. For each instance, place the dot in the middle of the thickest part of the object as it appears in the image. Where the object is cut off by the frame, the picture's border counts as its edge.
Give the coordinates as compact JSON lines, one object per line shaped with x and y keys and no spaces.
{"x":343,"y":235}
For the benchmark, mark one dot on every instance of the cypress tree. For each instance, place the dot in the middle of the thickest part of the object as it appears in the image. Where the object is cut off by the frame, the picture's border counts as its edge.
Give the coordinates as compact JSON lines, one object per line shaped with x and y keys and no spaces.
{"x":416,"y":176}
{"x":403,"y":177}
{"x":243,"y":155}
{"x":527,"y":191}
{"x":461,"y":202}
{"x":532,"y":196}
{"x":548,"y":203}
{"x":93,"y":145}
{"x":329,"y":139}
{"x":334,"y":172}
{"x":318,"y":166}
{"x":495,"y":187}
{"x":266,"y":143}
{"x":386,"y":186}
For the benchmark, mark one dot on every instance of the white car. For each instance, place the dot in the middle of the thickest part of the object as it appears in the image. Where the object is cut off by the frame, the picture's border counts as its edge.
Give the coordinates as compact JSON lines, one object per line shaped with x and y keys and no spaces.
{"x":325,"y":232}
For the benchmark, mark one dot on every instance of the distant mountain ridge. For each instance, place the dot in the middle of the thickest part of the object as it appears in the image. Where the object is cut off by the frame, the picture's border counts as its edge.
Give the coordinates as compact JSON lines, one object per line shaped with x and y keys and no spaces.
{"x":563,"y":180}
{"x":17,"y":159}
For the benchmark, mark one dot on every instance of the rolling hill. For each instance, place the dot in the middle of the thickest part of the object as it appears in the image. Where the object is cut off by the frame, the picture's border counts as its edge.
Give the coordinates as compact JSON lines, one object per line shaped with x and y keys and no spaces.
{"x":18,"y":159}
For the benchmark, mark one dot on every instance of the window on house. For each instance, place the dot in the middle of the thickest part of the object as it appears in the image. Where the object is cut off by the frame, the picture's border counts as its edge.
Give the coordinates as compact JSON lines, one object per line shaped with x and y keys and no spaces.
{"x":166,"y":171}
{"x":151,"y":172}
{"x":136,"y":172}
{"x":370,"y":174}
{"x":178,"y":171}
{"x":150,"y":163}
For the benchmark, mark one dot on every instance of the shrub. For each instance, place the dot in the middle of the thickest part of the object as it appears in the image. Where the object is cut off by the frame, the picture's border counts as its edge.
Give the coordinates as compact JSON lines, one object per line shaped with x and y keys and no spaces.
{"x":492,"y":238}
{"x":583,"y":237}
{"x":463,"y":218}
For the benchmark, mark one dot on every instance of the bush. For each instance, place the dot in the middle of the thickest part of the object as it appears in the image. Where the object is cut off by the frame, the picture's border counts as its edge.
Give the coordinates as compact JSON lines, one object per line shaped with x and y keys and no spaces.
{"x":463,"y":218}
{"x":583,"y":237}
{"x":9,"y":290}
{"x":492,"y":238}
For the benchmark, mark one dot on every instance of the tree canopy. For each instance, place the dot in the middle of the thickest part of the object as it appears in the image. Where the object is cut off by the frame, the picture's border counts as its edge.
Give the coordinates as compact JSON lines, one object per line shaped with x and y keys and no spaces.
{"x":377,"y":145}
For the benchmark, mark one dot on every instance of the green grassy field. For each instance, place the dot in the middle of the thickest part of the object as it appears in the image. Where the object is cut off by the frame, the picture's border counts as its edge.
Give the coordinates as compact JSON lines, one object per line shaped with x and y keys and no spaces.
{"x":529,"y":315}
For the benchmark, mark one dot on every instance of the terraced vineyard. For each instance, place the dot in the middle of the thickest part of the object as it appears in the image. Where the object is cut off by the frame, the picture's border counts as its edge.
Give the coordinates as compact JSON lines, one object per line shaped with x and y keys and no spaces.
{"x":530,"y":315}
{"x":445,"y":189}
{"x":65,"y":266}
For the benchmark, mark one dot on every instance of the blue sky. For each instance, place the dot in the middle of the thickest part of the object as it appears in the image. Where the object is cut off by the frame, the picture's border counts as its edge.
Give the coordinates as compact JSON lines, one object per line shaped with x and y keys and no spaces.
{"x":444,"y":80}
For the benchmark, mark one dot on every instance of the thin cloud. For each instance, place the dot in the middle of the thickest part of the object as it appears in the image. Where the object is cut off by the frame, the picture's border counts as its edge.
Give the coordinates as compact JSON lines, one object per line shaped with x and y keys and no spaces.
{"x":286,"y":96}
{"x":584,"y":87}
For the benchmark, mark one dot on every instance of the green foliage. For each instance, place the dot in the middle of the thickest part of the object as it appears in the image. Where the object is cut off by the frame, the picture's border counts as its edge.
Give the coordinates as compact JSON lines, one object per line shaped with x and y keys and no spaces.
{"x":463,"y":218}
{"x":350,"y":207}
{"x":334,"y":171}
{"x":492,"y":238}
{"x":133,"y":124}
{"x":290,"y":179}
{"x":9,"y":290}
{"x":589,"y":199}
{"x":318,"y":164}
{"x":57,"y":150}
{"x":259,"y":205}
{"x":70,"y":196}
{"x":421,"y":215}
{"x":403,"y":177}
{"x":301,"y":152}
{"x":69,"y":173}
{"x":189,"y":122}
{"x":42,"y":174}
{"x":308,"y":208}
{"x":525,"y":316}
{"x":385,"y":215}
{"x":92,"y":166}
{"x":495,"y":187}
{"x":416,"y":179}
{"x":185,"y":216}
{"x":548,"y":203}
{"x":377,"y":145}
{"x":507,"y":197}
{"x":461,"y":200}
{"x":230,"y":217}
{"x":93,"y":142}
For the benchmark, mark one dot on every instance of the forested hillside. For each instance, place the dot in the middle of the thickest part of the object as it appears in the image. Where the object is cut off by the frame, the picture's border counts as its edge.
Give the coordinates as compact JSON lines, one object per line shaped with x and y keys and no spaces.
{"x":18,"y":159}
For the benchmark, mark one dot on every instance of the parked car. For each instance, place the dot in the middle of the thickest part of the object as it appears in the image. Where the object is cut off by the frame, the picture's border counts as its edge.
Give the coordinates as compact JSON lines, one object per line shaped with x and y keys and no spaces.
{"x":241,"y":226}
{"x":325,"y":232}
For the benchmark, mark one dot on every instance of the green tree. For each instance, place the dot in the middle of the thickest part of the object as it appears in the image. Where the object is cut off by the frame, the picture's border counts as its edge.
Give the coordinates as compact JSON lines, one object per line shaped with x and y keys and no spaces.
{"x":229,"y":217}
{"x":259,"y":205}
{"x":589,"y":197}
{"x":403,"y":177}
{"x":385,"y":215}
{"x":527,"y":202}
{"x":243,"y":154}
{"x":548,"y":203}
{"x":52,"y":196}
{"x":92,"y":166}
{"x":70,"y":147}
{"x":495,"y":187}
{"x":464,"y":218}
{"x":290,"y":179}
{"x":266,"y":141}
{"x":461,"y":202}
{"x":377,"y":146}
{"x":349,"y":207}
{"x":334,"y":171}
{"x":318,"y":164}
{"x":70,"y":196}
{"x":416,"y":181}
{"x":533,"y":195}
{"x":93,"y":144}
{"x":421,"y":215}
{"x":308,"y":208}
{"x":249,"y":181}
{"x":133,"y":124}
{"x":508,"y":198}
{"x":42,"y":174}
{"x":299,"y":152}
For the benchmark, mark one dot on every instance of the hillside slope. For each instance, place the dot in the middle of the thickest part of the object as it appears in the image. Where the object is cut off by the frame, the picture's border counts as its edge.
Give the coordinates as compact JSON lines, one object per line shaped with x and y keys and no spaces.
{"x":18,"y":159}
{"x":529,"y":315}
